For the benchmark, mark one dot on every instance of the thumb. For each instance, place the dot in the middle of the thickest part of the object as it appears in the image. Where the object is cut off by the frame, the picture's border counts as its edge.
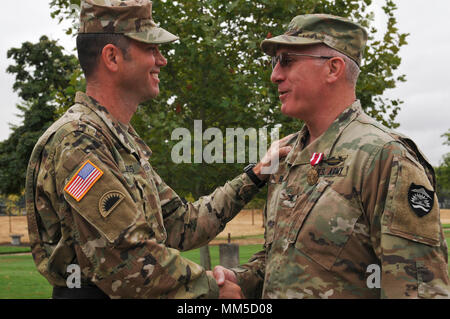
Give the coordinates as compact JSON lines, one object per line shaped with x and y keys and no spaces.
{"x":219,"y":275}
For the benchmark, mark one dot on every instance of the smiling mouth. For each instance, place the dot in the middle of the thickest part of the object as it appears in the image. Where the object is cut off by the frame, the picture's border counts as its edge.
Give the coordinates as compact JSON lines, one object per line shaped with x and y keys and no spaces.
{"x":155,"y":76}
{"x":283,"y":93}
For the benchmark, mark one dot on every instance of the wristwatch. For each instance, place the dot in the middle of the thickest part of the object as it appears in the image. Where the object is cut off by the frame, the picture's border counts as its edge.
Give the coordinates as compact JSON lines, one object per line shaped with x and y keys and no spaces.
{"x":255,"y":179}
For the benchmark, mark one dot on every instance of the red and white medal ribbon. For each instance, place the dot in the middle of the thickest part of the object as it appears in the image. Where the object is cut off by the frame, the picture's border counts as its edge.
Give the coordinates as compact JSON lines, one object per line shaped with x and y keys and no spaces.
{"x":316,"y":158}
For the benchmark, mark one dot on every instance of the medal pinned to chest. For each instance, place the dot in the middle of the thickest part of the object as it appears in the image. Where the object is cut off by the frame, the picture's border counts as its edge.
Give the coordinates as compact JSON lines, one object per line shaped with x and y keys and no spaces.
{"x":313,"y":176}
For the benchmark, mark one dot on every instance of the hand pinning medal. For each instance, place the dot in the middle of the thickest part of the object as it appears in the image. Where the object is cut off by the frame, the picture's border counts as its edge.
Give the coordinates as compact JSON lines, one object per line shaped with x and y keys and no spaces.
{"x":313,"y":175}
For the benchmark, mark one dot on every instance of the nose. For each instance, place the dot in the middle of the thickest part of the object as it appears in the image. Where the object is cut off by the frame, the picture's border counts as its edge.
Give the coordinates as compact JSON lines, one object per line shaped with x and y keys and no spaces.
{"x":160,"y":60}
{"x":277,"y":74}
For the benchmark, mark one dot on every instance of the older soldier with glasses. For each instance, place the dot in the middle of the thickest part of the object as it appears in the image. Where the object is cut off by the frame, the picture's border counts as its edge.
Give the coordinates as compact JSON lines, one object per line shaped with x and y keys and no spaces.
{"x":352,"y":211}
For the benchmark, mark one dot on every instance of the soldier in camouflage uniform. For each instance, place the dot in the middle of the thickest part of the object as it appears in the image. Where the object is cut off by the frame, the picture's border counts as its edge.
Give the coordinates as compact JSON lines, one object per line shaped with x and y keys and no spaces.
{"x":352,"y":211}
{"x":94,"y":200}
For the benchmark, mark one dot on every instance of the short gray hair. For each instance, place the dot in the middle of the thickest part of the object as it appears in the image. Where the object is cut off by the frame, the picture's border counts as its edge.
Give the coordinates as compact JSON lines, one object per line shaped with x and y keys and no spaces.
{"x":352,"y":69}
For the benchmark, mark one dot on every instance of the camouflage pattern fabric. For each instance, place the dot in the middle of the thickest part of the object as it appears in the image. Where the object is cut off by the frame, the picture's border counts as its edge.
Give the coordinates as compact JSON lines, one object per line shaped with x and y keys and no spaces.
{"x":127,"y":230}
{"x":320,"y":239}
{"x":336,"y":32}
{"x":133,"y":18}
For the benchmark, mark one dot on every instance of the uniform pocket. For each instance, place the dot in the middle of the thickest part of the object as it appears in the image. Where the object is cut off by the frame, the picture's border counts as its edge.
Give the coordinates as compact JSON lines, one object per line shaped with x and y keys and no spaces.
{"x":324,"y":225}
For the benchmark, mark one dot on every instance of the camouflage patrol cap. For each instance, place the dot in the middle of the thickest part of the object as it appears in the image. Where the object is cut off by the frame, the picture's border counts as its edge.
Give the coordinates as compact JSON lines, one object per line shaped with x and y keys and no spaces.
{"x":132,"y":18}
{"x":338,"y":33}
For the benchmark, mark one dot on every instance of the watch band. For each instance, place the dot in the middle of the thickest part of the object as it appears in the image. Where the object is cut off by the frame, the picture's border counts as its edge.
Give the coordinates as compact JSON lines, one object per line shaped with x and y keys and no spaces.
{"x":255,"y":179}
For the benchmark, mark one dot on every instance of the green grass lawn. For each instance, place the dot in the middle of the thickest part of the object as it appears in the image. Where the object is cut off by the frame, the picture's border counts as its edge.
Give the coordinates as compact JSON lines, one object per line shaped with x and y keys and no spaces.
{"x":19,"y":278}
{"x":245,"y":252}
{"x":14,"y":249}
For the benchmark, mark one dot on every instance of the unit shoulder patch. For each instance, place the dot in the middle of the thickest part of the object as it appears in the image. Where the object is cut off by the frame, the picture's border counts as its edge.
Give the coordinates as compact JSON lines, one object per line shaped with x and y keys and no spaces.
{"x":109,"y":202}
{"x":420,"y":199}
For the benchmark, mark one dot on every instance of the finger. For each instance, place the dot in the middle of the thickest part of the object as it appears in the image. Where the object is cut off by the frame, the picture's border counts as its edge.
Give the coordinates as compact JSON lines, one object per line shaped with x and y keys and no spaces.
{"x":230,"y":291}
{"x":219,"y":275}
{"x":284,"y":151}
{"x":275,"y":146}
{"x":286,"y":139}
{"x":230,"y":275}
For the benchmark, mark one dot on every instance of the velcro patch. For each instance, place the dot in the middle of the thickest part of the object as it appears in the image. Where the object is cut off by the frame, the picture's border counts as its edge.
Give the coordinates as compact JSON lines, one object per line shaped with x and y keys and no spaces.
{"x":420,"y":199}
{"x":83,"y":180}
{"x":109,"y":201}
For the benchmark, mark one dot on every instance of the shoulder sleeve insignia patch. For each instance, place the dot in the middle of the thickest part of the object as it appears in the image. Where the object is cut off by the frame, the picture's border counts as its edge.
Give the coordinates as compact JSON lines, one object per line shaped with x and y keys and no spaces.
{"x":420,"y":199}
{"x":83,"y":180}
{"x":109,"y":201}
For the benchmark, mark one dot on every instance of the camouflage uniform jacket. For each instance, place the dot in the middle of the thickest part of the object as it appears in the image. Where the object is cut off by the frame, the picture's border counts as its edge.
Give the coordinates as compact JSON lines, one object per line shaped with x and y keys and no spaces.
{"x":128,"y":228}
{"x":327,"y":240}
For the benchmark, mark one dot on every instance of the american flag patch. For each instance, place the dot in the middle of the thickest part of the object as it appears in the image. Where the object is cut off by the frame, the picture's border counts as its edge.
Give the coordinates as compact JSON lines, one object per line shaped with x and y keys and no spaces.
{"x":83,"y":180}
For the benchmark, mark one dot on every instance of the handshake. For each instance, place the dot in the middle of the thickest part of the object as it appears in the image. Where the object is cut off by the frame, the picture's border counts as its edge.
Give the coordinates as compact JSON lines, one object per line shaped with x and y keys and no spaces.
{"x":227,"y":282}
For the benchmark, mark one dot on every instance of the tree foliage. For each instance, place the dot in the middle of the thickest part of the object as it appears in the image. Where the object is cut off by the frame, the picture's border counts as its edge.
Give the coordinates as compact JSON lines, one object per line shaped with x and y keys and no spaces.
{"x":217,"y":73}
{"x":13,"y":204}
{"x":44,"y":74}
{"x":443,"y":178}
{"x":447,"y":136}
{"x":443,"y":172}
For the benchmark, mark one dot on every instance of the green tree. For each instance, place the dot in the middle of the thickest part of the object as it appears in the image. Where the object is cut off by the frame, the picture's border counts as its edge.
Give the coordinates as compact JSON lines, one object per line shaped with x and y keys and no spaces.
{"x":44,"y":81}
{"x":447,"y":136}
{"x":218,"y":74}
{"x":443,"y":178}
{"x":14,"y":204}
{"x":443,"y":173}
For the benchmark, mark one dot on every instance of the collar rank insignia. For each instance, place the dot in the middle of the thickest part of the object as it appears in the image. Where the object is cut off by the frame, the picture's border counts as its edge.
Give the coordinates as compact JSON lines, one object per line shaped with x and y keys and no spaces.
{"x":109,"y":201}
{"x":83,"y":180}
{"x":420,"y":199}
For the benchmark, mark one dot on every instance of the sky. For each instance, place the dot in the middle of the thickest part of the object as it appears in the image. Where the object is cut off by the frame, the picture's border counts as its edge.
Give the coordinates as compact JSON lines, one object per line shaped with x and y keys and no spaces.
{"x":424,"y":116}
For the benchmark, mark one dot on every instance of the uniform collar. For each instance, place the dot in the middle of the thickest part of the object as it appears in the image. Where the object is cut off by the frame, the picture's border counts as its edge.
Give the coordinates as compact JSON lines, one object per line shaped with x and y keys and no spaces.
{"x":127,"y":137}
{"x":325,"y":143}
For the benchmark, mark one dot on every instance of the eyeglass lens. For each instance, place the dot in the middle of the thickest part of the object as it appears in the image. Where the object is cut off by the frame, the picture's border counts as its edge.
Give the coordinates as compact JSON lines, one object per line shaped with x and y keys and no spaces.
{"x":282,"y":58}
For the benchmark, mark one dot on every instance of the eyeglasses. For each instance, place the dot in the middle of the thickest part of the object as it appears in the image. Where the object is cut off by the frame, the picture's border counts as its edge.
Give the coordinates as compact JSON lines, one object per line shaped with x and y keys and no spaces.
{"x":284,"y":59}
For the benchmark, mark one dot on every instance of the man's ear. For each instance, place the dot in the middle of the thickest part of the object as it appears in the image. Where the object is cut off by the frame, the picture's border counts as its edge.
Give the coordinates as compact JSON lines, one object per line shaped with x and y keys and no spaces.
{"x":111,"y":56}
{"x":336,"y":69}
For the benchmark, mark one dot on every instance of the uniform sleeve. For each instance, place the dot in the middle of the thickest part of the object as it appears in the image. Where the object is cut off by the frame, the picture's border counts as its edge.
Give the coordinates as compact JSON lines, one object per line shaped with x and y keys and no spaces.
{"x":192,"y":225}
{"x":406,"y":231}
{"x":115,"y":246}
{"x":251,"y":275}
